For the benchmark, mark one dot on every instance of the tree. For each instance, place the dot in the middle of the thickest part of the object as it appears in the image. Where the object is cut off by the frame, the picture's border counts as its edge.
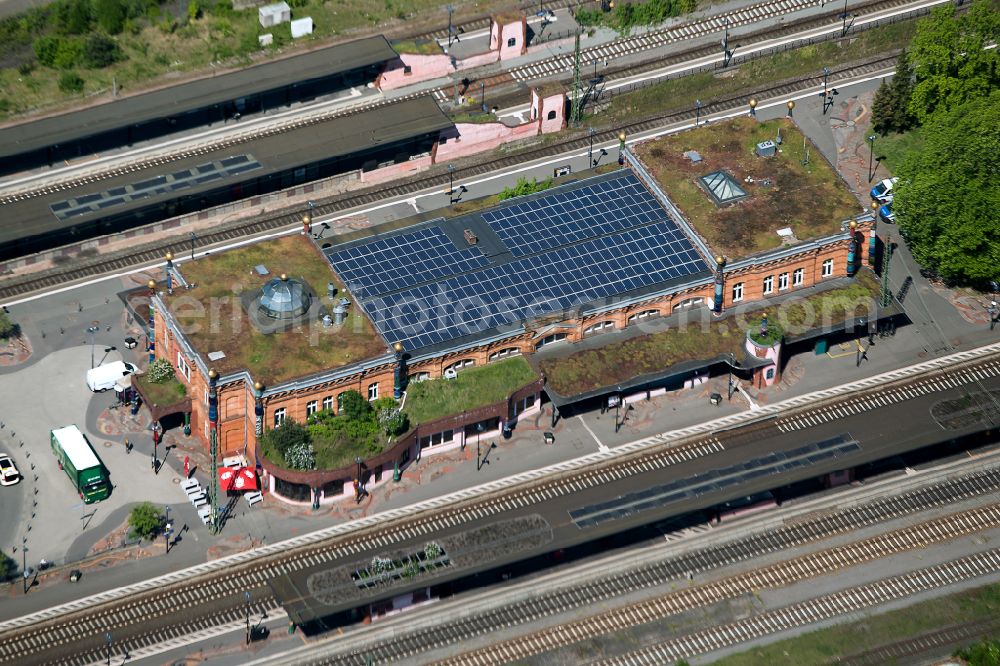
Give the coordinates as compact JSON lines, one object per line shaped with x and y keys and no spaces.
{"x":891,"y":108}
{"x":100,"y":51}
{"x":8,"y":328}
{"x":947,"y":196}
{"x":110,"y":15}
{"x":45,"y":49}
{"x":949,"y":58}
{"x":355,"y":407}
{"x":390,"y":419}
{"x":984,"y":653}
{"x":70,"y":82}
{"x":72,"y":17}
{"x":145,"y":520}
{"x":290,"y":433}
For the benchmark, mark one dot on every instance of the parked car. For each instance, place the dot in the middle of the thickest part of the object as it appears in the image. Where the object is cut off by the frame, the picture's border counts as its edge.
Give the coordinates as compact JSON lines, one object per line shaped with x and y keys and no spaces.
{"x":885,"y":212}
{"x":883,"y":190}
{"x":8,"y":472}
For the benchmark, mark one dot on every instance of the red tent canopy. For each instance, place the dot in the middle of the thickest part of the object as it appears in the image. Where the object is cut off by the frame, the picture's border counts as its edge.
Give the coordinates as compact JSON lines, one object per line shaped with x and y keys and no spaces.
{"x":240,"y":479}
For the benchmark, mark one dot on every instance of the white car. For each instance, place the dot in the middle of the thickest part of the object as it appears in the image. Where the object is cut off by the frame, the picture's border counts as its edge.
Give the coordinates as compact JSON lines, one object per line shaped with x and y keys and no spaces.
{"x":8,"y":472}
{"x":882,"y":192}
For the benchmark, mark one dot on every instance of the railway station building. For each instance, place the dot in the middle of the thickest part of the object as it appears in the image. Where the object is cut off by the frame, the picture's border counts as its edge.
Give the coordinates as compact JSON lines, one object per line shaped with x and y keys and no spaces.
{"x":597,"y":256}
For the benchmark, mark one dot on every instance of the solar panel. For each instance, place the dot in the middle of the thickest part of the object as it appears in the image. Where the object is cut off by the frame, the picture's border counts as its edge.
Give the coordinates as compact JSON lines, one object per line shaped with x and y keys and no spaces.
{"x":606,"y":207}
{"x":401,"y":261}
{"x":507,"y":294}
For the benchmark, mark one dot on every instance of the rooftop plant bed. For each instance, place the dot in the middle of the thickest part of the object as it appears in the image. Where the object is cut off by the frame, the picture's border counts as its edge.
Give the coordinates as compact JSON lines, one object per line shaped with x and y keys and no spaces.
{"x":473,"y":387}
{"x":619,"y":362}
{"x":213,"y":319}
{"x":332,"y":441}
{"x":809,"y":198}
{"x":417,"y":46}
{"x":168,"y":392}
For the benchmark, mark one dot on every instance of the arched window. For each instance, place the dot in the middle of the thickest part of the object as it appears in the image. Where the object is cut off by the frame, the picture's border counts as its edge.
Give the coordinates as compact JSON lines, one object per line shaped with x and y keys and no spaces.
{"x":458,"y":365}
{"x":511,"y":41}
{"x":420,"y":377}
{"x":549,"y":339}
{"x":552,"y":115}
{"x":599,"y":327}
{"x":504,"y":353}
{"x":692,"y":302}
{"x":645,"y":314}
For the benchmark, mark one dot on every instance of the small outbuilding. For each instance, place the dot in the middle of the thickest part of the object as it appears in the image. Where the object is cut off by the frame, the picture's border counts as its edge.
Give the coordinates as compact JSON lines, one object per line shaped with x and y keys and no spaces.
{"x":271,"y":15}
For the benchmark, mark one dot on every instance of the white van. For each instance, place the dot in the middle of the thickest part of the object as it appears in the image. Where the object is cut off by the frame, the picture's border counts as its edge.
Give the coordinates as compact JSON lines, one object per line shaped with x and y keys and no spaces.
{"x":104,"y":377}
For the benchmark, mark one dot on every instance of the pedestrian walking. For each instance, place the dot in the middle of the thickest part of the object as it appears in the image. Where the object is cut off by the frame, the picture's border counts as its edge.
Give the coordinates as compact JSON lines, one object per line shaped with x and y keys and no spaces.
{"x":128,"y":445}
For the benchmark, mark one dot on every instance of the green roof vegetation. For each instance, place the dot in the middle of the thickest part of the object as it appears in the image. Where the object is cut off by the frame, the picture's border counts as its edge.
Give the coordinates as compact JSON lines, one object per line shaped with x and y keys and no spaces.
{"x":164,"y":393}
{"x":213,"y":318}
{"x":809,"y":198}
{"x":333,"y":441}
{"x":417,"y":46}
{"x":473,"y":387}
{"x":621,"y":361}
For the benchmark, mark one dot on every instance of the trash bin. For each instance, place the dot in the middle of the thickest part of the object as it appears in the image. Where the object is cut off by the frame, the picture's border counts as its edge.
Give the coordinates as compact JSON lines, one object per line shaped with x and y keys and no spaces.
{"x":74,"y":575}
{"x":715,"y":398}
{"x":549,"y":438}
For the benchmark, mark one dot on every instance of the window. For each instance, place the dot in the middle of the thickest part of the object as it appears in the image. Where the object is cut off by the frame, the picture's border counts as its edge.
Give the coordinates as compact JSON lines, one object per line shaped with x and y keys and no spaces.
{"x":311,"y":408}
{"x":420,"y":377}
{"x":645,"y":314}
{"x":689,"y":303}
{"x":551,"y":116}
{"x":512,"y":41}
{"x":738,"y":292}
{"x":437,"y":438}
{"x":828,"y":268}
{"x":797,"y":277}
{"x":458,"y":365}
{"x":549,"y":339}
{"x":328,"y":403}
{"x":769,"y":374}
{"x":373,"y":392}
{"x":183,"y":367}
{"x":783,"y":281}
{"x":340,"y":402}
{"x":504,"y":353}
{"x":279,"y":417}
{"x":598,"y":327}
{"x":768,"y":284}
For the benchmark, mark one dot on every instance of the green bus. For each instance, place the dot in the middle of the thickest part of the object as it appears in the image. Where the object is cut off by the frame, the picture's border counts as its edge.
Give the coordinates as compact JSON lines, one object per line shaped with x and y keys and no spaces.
{"x":80,"y":462}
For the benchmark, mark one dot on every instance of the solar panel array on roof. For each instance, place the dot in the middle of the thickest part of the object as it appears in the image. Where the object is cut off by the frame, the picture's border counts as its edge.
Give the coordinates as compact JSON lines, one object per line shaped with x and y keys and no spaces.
{"x":690,"y":487}
{"x":571,"y":247}
{"x":603,"y":208}
{"x":151,"y":187}
{"x":403,"y":260}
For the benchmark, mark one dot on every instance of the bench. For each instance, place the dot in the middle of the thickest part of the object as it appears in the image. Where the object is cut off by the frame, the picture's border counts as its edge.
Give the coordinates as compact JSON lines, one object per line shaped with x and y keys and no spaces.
{"x":254,"y":498}
{"x":205,"y":513}
{"x":188,"y":484}
{"x":199,"y":501}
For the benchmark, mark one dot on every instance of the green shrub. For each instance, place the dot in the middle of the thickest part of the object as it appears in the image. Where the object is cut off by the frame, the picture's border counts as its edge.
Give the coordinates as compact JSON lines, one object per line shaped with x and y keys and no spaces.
{"x":286,"y":435}
{"x":301,"y":456}
{"x":100,"y":51}
{"x":72,"y":17}
{"x":524,"y":187}
{"x":160,"y":371}
{"x":145,"y":521}
{"x":355,"y":407}
{"x":70,"y":53}
{"x":8,"y":328}
{"x":70,"y":82}
{"x":110,"y":15}
{"x":45,"y":49}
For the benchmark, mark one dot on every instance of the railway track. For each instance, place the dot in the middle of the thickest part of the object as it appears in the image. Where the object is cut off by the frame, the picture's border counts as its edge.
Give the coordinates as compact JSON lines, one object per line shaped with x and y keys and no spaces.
{"x":153,"y":253}
{"x":219,"y":601}
{"x":616,"y":584}
{"x":822,"y":608}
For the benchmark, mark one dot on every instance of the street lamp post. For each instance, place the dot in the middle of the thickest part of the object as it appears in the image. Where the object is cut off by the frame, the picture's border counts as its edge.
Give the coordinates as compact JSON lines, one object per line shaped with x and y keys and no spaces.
{"x":732,"y":384}
{"x":451,"y":182}
{"x":24,"y":562}
{"x":358,"y":462}
{"x":827,"y":93}
{"x":479,"y":457}
{"x":194,"y":238}
{"x":107,"y":638}
{"x":791,"y":107}
{"x":590,"y":153}
{"x":871,"y":156}
{"x":753,"y":107}
{"x":246,"y":595}
{"x":844,"y":15}
{"x":697,"y":116}
{"x":482,"y":88}
{"x":157,"y":430}
{"x":621,"y":148}
{"x":451,"y":10}
{"x":727,"y":55}
{"x":92,"y":330}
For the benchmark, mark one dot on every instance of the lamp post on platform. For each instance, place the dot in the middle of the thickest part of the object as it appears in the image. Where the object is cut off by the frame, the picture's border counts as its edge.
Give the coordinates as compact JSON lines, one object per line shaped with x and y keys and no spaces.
{"x":621,"y":148}
{"x":753,"y":107}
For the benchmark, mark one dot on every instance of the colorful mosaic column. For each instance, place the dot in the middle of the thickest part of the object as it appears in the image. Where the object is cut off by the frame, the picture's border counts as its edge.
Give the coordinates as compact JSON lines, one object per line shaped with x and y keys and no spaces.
{"x":720,"y":282}
{"x":213,"y":424}
{"x":151,"y":335}
{"x":399,"y":375}
{"x":873,"y":239}
{"x":170,"y":270}
{"x":258,"y":409}
{"x":852,"y":249}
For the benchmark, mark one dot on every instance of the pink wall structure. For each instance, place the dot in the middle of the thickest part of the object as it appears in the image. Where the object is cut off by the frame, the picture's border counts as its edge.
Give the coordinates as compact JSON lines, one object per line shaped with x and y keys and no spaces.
{"x":422,"y":68}
{"x":773,"y":354}
{"x":479,"y":59}
{"x":393,"y":171}
{"x":504,"y":28}
{"x":476,"y":138}
{"x":545,"y":104}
